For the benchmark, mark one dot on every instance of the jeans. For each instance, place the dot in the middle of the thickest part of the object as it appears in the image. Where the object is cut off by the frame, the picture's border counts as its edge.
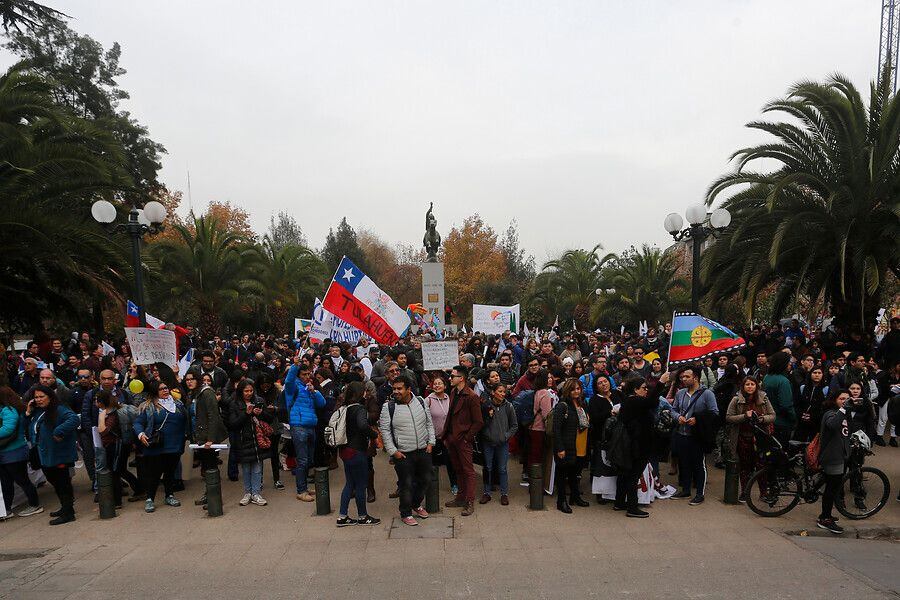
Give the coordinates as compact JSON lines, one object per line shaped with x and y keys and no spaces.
{"x":495,"y":461}
{"x":17,"y":472}
{"x":304,"y":439}
{"x":691,"y":463}
{"x":356,"y":475}
{"x":413,"y":474}
{"x":252,"y":472}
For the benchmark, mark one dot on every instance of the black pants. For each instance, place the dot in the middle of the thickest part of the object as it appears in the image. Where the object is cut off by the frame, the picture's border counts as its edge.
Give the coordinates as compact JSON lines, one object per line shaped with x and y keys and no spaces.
{"x":17,"y":472}
{"x":832,"y":485}
{"x":86,"y":441}
{"x":208,"y":459}
{"x":566,"y":477}
{"x":626,"y":490}
{"x":62,"y":484}
{"x":691,"y":463}
{"x":156,"y":466}
{"x":276,"y":464}
{"x":413,"y":474}
{"x":121,"y":469}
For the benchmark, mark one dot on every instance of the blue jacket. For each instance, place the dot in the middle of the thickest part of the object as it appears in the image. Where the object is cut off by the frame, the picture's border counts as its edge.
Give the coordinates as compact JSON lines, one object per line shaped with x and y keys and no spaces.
{"x":686,"y":406}
{"x":12,"y":423}
{"x":89,"y":411}
{"x":41,"y":432}
{"x":301,"y":403}
{"x":174,"y":429}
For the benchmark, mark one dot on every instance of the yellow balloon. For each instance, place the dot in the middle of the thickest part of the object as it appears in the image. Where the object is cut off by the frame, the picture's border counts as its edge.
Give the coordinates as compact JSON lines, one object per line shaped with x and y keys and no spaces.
{"x":136,"y":386}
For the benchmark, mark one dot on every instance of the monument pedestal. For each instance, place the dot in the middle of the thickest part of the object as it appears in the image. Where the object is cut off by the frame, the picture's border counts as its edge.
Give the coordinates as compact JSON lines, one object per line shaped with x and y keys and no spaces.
{"x":433,"y":288}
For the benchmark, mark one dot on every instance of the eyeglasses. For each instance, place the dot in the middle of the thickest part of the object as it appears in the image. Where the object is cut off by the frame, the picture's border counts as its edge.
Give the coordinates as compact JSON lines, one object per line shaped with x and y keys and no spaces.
{"x":455,"y":376}
{"x":84,"y":377}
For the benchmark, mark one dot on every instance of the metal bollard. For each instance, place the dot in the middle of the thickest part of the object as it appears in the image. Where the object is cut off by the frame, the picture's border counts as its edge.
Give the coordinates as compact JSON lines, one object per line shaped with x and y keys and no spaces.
{"x":323,"y":493}
{"x":536,"y":486}
{"x":732,"y":479}
{"x":433,"y":492}
{"x":213,"y":493}
{"x":105,"y":494}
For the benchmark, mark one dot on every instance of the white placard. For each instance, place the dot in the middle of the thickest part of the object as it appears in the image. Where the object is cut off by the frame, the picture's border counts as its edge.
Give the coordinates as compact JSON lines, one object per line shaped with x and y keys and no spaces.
{"x":149,"y":346}
{"x":490,"y":319}
{"x":440,"y":355}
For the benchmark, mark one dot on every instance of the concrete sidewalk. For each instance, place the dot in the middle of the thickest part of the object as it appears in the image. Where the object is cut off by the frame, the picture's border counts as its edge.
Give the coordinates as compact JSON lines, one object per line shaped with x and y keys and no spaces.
{"x":283,"y":551}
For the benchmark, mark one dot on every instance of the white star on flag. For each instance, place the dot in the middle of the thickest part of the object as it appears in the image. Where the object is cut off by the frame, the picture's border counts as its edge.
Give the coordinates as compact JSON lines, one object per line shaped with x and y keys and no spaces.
{"x":348,"y":274}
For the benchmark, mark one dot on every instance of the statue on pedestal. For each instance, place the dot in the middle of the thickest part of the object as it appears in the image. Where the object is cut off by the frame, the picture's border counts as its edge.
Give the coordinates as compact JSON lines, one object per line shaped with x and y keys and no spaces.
{"x":432,"y":240}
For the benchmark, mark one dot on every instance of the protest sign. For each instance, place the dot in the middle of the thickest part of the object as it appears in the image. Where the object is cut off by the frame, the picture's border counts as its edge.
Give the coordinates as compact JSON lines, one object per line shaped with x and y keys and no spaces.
{"x":149,"y":346}
{"x":325,"y":325}
{"x":491,"y":319}
{"x":440,"y":355}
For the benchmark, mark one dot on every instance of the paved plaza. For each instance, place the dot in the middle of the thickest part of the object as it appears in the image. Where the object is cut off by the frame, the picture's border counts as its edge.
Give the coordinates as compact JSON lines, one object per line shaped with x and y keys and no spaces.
{"x":284,"y":551}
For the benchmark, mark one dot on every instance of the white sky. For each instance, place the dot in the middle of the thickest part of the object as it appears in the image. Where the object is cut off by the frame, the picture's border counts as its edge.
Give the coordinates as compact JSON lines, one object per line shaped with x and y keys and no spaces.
{"x":587,"y":121}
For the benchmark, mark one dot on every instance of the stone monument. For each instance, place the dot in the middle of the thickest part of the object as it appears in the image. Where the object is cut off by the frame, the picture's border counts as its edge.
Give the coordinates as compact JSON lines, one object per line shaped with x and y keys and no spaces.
{"x":432,"y":270}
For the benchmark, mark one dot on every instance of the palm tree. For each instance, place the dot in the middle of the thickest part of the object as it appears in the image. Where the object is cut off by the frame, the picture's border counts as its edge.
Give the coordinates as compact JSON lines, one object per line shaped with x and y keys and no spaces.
{"x":53,"y":165}
{"x":286,"y":280}
{"x":825,"y":223}
{"x":206,"y":266}
{"x":646,"y":286}
{"x":569,"y":283}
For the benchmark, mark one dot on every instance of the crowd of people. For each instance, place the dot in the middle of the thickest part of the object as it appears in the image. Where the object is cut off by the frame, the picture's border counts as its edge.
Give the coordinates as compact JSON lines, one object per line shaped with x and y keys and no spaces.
{"x":601,"y":413}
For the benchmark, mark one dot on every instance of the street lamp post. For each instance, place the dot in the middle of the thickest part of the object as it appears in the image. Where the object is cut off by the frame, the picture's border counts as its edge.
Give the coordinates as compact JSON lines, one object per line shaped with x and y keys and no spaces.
{"x":701,"y":227}
{"x":140,"y":221}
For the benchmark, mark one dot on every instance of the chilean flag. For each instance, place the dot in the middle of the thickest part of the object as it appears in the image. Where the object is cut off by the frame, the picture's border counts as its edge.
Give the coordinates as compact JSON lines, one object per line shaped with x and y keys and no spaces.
{"x":355,"y":298}
{"x":132,"y":317}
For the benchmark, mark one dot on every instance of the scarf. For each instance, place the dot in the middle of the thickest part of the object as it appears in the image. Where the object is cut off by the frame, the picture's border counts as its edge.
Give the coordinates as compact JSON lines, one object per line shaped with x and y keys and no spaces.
{"x":582,"y":419}
{"x":168,"y":404}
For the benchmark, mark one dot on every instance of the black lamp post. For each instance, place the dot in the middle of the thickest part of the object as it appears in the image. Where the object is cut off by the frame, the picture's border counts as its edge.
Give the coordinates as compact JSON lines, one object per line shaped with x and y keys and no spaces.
{"x":701,"y":227}
{"x":140,"y":221}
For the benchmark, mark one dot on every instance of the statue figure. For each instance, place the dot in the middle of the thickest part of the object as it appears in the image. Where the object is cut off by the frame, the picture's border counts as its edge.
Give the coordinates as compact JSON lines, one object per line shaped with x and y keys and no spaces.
{"x":432,"y":238}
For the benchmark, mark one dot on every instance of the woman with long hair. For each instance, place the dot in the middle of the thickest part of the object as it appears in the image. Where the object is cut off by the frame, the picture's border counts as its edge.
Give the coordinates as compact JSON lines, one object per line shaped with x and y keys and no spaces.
{"x":570,"y":421}
{"x":438,"y":402}
{"x":52,"y":431}
{"x":161,"y":428}
{"x":809,"y":406}
{"x":748,"y":405}
{"x":355,"y":457}
{"x":14,"y":454}
{"x":834,"y":450}
{"x":245,"y":418}
{"x":545,"y":398}
{"x":266,"y":390}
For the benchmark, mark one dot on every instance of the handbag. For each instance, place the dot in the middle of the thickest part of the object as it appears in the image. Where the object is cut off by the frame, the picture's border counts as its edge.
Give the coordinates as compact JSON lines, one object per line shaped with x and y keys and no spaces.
{"x":263,"y":432}
{"x":812,"y":453}
{"x":155,"y":439}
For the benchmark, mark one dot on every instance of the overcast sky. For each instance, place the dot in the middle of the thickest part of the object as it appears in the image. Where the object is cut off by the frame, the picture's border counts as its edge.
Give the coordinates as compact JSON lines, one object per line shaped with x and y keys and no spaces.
{"x":586,"y":121}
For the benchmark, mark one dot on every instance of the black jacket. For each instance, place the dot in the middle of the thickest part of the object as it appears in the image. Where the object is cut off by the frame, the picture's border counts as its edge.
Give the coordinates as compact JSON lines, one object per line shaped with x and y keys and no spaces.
{"x":861,"y":417}
{"x":637,"y":414}
{"x":834,"y":448}
{"x":565,"y":427}
{"x":241,"y":423}
{"x":358,"y":430}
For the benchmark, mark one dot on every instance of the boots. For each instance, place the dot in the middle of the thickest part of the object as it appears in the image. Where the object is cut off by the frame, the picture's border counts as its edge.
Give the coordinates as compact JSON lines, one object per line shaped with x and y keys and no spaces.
{"x":577,"y":501}
{"x":468,"y":510}
{"x":563,"y":506}
{"x":66,"y":515}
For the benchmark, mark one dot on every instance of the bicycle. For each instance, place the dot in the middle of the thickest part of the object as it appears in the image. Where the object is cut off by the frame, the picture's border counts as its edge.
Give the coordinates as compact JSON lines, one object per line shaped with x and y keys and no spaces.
{"x":786,"y":479}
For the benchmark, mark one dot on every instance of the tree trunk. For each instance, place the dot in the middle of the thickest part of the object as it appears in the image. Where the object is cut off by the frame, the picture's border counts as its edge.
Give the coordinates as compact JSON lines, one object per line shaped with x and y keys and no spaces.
{"x":279,"y":316}
{"x":209,"y":322}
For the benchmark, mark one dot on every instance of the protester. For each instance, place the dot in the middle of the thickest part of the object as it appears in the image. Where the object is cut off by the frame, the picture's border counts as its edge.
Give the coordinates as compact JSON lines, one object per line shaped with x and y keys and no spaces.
{"x":251,"y":421}
{"x":438,"y":402}
{"x":834,"y":450}
{"x":748,"y":407}
{"x":691,"y":402}
{"x":355,"y":458}
{"x":14,"y":454}
{"x":162,"y":425}
{"x":302,"y":400}
{"x":781,"y":395}
{"x":463,"y":423}
{"x":499,"y":427}
{"x":637,"y":416}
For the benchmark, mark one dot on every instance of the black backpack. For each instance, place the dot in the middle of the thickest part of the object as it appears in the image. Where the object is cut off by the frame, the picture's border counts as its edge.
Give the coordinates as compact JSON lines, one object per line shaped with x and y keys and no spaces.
{"x":617,"y":443}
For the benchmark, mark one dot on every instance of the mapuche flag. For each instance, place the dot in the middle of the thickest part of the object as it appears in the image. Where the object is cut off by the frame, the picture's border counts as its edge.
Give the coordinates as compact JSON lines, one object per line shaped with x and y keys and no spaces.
{"x":355,"y":298}
{"x":694,"y":337}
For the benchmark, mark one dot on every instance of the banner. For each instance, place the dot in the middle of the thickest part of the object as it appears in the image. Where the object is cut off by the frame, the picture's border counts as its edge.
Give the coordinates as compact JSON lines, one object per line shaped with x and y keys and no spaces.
{"x":353,"y":297}
{"x":440,"y":355}
{"x":495,"y":319}
{"x":325,"y":325}
{"x":150,"y":346}
{"x":694,"y":337}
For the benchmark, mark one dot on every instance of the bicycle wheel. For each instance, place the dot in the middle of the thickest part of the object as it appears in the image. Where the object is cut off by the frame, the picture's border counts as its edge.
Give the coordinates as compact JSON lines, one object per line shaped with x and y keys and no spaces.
{"x":771,"y":494}
{"x":863,"y":493}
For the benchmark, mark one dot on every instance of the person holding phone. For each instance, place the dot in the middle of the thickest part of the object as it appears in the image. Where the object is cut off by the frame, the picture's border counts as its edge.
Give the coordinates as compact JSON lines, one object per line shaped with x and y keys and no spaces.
{"x":749,"y":405}
{"x":161,"y":428}
{"x":14,"y":454}
{"x":51,"y":429}
{"x":302,"y":399}
{"x":247,"y":413}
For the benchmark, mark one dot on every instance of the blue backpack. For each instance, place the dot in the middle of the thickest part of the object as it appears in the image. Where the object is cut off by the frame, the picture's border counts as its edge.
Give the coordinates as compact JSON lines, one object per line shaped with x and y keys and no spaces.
{"x":524,"y":405}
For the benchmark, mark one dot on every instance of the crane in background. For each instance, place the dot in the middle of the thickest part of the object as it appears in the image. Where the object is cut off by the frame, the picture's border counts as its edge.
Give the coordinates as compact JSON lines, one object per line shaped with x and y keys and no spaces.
{"x":889,"y":44}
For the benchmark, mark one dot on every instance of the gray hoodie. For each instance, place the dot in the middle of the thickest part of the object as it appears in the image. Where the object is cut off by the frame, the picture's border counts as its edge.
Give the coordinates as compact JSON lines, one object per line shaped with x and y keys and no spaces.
{"x":500,"y":427}
{"x":412,"y":426}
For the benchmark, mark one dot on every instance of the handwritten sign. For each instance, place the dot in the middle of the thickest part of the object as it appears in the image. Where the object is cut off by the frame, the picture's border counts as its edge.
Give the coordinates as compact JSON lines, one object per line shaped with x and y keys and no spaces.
{"x":440,"y":355}
{"x":150,"y":346}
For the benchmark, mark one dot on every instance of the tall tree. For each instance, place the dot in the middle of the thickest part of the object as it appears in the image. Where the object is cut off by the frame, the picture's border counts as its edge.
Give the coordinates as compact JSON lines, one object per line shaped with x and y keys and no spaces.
{"x":284,"y":231}
{"x":569,"y":283}
{"x":342,"y":242}
{"x":27,"y":14}
{"x":471,"y":257}
{"x":825,"y":222}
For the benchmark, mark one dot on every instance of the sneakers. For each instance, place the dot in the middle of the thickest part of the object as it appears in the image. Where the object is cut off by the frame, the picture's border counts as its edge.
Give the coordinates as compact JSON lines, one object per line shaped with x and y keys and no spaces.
{"x":504,"y":500}
{"x":346,"y":522}
{"x":305,"y":497}
{"x":279,"y":485}
{"x":258,"y":500}
{"x":454,"y":489}
{"x":682,"y":494}
{"x":368,"y":520}
{"x":31,"y":510}
{"x":7,"y":517}
{"x":245,"y":500}
{"x":524,"y":483}
{"x":829,"y":525}
{"x":421,"y":513}
{"x":200,"y":501}
{"x":879,"y":441}
{"x":637,"y":514}
{"x":485,"y":498}
{"x":172,"y":501}
{"x":468,"y":510}
{"x":409,"y":521}
{"x":698,"y":499}
{"x":149,"y":506}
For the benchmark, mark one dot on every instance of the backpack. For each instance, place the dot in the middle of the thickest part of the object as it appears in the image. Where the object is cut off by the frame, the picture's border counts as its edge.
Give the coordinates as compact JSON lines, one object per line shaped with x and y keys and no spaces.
{"x":665,"y":423}
{"x":524,"y":405}
{"x":617,"y":443}
{"x":548,"y":420}
{"x":336,"y":431}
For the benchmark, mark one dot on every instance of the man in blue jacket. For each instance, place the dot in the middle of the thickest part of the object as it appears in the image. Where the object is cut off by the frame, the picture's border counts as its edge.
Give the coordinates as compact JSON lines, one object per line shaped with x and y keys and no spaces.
{"x":301,"y":400}
{"x":690,"y":401}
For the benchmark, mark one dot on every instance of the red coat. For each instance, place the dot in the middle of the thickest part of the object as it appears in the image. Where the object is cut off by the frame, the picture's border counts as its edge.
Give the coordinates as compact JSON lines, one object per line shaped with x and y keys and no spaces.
{"x":464,"y":420}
